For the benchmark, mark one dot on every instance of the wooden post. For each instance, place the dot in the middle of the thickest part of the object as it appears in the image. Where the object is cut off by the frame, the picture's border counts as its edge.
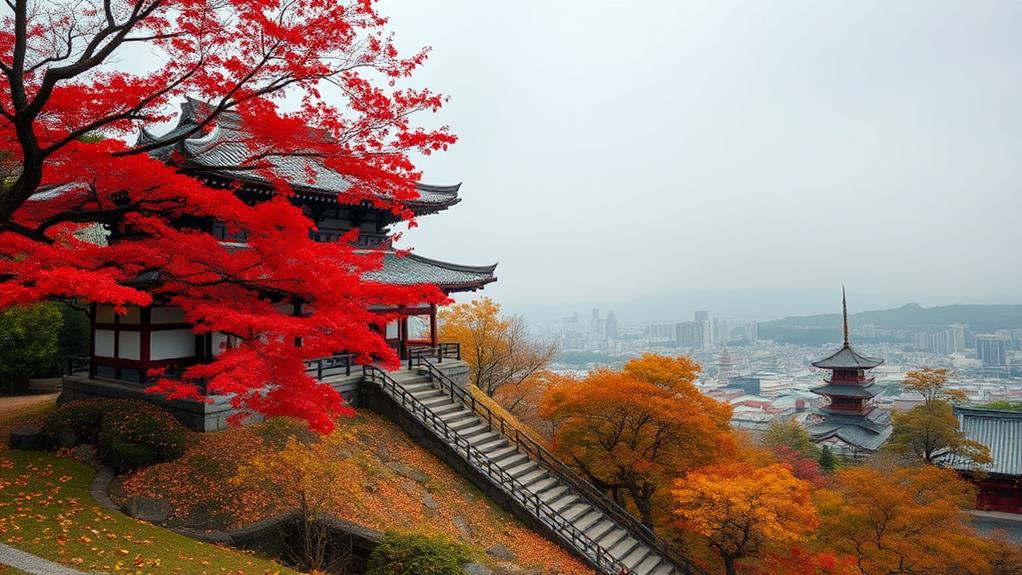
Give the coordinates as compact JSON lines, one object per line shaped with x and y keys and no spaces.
{"x":433,"y":335}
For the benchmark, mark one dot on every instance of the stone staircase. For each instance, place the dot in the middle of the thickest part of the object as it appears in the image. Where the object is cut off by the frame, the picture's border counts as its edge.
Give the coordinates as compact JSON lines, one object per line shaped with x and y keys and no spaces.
{"x":587,"y":521}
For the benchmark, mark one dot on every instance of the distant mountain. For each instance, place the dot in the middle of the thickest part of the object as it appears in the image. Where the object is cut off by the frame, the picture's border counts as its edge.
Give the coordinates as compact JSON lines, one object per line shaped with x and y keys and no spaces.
{"x":813,"y":329}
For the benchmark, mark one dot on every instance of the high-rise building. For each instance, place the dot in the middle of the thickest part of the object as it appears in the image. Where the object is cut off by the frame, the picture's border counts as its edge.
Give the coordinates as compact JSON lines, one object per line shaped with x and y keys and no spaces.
{"x":611,"y":326}
{"x":720,"y":332}
{"x":992,"y":348}
{"x":702,"y":315}
{"x":689,"y":334}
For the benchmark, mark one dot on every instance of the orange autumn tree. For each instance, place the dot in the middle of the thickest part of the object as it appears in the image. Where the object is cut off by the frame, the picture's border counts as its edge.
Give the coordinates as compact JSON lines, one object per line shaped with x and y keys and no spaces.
{"x":631,"y":432}
{"x":895,"y":520}
{"x":497,"y":347}
{"x":742,"y":509}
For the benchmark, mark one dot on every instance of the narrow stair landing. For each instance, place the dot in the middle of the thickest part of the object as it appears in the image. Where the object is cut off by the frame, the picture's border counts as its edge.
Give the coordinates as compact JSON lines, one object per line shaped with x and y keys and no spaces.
{"x":588,"y":523}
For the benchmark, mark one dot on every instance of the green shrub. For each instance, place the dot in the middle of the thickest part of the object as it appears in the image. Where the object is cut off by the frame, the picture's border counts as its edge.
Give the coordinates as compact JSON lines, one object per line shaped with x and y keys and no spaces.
{"x":82,"y":417}
{"x":416,"y":554}
{"x":129,"y":434}
{"x":28,"y":343}
{"x":136,"y":434}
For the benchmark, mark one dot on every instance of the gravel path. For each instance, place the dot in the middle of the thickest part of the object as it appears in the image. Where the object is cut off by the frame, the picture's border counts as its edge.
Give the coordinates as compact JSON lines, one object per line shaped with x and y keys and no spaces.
{"x":32,"y":564}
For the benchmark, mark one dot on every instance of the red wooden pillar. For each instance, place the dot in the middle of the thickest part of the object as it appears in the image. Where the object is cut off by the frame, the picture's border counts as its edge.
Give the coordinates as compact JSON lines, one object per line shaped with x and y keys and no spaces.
{"x":433,"y":335}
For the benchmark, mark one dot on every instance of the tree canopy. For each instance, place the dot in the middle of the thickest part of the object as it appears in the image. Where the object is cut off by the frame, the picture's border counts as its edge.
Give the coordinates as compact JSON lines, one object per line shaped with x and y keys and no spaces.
{"x":68,"y":111}
{"x":742,"y":509}
{"x":634,"y":431}
{"x":497,"y":347}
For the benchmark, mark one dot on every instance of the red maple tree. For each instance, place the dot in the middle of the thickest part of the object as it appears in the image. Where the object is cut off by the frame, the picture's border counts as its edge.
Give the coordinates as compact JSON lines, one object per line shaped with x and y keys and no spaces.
{"x":69,"y":112}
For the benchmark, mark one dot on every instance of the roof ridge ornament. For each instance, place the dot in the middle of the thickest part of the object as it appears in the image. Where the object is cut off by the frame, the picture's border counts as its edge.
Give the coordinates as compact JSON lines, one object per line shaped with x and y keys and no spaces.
{"x":844,"y":312}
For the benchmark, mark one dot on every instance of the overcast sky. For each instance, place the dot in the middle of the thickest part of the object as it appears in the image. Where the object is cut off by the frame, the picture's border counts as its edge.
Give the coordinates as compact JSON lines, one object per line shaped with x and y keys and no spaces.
{"x":613,"y":150}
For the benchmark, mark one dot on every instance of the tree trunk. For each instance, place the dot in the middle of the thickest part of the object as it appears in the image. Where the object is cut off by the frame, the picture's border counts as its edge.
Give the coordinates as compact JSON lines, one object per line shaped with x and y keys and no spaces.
{"x":729,"y":566}
{"x":645,"y":507}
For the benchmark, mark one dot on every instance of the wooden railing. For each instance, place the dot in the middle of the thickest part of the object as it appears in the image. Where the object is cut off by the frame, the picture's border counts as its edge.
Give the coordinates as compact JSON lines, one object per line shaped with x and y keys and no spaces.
{"x":78,"y":363}
{"x":553,"y":464}
{"x":330,"y":366}
{"x":599,"y":556}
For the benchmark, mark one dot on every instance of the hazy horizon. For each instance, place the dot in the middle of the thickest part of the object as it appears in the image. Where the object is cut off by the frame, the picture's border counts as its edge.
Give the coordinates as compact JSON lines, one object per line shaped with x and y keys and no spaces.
{"x":612,"y":151}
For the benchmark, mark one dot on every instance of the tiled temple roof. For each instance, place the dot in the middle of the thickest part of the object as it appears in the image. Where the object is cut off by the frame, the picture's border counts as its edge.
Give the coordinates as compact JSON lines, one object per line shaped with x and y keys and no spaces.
{"x":858,"y":391}
{"x":1000,"y":431}
{"x":412,"y":269}
{"x":847,"y":358}
{"x":867,"y":433}
{"x":223,"y":151}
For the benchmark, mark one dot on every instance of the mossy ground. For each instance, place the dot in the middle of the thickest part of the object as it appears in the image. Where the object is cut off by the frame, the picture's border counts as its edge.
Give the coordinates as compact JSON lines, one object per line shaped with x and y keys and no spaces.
{"x":46,"y":509}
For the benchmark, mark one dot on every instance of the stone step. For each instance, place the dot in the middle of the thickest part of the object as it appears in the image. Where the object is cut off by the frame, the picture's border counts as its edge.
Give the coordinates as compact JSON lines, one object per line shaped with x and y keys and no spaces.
{"x":530,"y":480}
{"x":523,"y":469}
{"x":588,"y":520}
{"x":612,"y":537}
{"x":576,"y":510}
{"x":637,"y":556}
{"x":665,"y":569}
{"x":500,"y":453}
{"x":624,"y":547}
{"x":601,"y":529}
{"x":543,"y":483}
{"x":563,"y":502}
{"x":649,"y":564}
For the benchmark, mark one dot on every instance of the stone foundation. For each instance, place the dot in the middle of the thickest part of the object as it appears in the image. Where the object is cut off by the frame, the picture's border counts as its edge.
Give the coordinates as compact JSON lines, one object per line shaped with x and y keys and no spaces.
{"x":213,"y":415}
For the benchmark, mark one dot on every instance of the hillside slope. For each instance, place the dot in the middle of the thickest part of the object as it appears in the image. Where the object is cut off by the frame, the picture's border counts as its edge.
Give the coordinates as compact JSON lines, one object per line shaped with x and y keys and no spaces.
{"x":392,"y":484}
{"x":824,"y":328}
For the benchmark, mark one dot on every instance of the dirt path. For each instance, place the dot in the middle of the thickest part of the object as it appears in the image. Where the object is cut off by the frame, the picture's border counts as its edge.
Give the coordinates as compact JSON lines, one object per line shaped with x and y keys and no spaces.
{"x":11,"y":405}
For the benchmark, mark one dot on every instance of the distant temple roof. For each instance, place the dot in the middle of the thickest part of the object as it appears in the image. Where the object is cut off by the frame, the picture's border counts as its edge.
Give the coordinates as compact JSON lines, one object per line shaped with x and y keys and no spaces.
{"x":999,"y":430}
{"x":864,"y":433}
{"x":413,"y":269}
{"x":222,"y":151}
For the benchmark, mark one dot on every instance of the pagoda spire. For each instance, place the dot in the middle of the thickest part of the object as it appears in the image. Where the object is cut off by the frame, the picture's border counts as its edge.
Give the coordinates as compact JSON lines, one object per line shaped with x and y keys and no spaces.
{"x":844,"y":313}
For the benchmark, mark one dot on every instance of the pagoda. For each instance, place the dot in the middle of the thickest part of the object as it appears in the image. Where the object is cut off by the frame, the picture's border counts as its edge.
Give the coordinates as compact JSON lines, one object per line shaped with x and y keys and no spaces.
{"x":848,"y":421}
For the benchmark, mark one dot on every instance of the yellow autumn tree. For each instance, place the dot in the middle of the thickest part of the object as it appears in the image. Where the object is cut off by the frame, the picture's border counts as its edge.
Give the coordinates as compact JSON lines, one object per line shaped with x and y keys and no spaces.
{"x":311,"y":475}
{"x":741,"y":509}
{"x":931,"y":430}
{"x":497,"y":347}
{"x":894,"y":519}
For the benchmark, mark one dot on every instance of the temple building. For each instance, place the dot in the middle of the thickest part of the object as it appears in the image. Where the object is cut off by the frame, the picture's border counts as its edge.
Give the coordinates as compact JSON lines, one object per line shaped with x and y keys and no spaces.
{"x":848,"y":421}
{"x":999,"y":484}
{"x":125,"y":347}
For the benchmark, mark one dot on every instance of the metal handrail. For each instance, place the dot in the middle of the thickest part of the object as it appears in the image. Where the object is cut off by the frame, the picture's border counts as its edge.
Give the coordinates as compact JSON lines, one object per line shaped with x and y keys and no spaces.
{"x":450,"y":350}
{"x":553,"y":464}
{"x":541,"y":510}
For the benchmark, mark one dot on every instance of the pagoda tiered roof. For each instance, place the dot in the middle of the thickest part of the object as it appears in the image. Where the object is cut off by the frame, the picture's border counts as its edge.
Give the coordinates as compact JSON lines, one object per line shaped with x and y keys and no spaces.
{"x":845,"y":390}
{"x":847,"y":358}
{"x":223,"y":153}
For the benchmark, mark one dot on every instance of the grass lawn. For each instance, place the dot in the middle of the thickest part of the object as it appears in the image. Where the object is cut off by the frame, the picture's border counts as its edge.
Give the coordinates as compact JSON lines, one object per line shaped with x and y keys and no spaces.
{"x":46,"y":509}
